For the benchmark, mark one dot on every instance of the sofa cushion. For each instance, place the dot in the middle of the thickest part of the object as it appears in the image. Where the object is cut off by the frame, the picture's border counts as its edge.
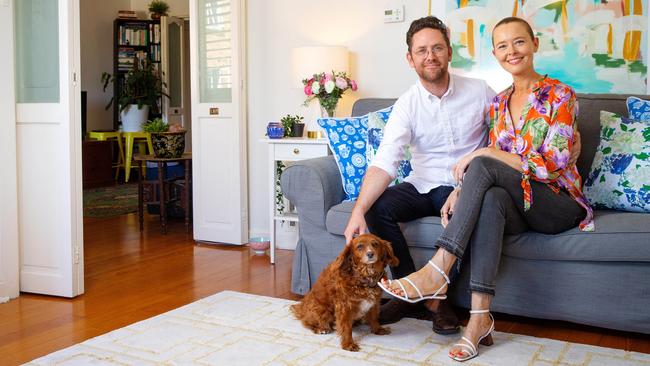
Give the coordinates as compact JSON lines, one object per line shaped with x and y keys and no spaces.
{"x":620,"y":236}
{"x":638,"y":109}
{"x":620,"y":174}
{"x":590,"y":106}
{"x":376,"y":125}
{"x":347,"y":141}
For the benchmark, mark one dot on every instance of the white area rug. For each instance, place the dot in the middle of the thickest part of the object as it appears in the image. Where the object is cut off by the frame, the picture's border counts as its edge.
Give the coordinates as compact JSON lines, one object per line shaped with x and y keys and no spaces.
{"x":232,"y":328}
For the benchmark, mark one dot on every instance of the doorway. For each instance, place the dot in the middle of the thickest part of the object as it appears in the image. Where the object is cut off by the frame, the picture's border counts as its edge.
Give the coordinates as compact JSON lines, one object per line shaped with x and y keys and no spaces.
{"x":113,"y":38}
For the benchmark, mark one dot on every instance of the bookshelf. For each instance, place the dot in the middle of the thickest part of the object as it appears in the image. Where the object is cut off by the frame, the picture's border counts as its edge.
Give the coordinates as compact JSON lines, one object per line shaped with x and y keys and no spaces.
{"x":134,"y":41}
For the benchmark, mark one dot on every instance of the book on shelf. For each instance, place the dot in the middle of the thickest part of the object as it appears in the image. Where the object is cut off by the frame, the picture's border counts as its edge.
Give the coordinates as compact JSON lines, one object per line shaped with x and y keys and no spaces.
{"x":128,"y":57}
{"x":154,"y":33}
{"x":133,"y":34}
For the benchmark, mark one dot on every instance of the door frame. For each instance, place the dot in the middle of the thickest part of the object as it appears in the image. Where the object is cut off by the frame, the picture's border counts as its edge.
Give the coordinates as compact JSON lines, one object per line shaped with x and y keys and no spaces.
{"x":9,"y":247}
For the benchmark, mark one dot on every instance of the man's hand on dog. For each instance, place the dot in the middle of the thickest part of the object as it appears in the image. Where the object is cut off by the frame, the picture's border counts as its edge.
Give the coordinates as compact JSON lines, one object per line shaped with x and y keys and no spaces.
{"x":356,"y":226}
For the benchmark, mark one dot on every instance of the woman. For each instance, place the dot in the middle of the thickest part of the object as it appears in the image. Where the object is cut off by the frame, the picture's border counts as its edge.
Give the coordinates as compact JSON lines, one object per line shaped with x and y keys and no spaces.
{"x":532,"y":130}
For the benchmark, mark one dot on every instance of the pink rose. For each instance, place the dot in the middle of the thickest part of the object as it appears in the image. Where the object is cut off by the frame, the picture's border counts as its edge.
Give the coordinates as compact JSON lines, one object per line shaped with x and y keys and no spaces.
{"x":308,"y":90}
{"x":341,"y":83}
{"x":326,"y":77}
{"x":353,"y":85}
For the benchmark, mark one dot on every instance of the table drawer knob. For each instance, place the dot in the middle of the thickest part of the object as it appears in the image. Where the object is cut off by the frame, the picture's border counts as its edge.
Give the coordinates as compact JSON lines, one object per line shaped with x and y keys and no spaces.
{"x":296,"y":151}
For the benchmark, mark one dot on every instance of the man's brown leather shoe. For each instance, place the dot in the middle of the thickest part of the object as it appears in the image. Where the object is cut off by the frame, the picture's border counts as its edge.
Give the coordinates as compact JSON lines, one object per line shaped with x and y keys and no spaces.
{"x":396,"y":309}
{"x":444,"y":319}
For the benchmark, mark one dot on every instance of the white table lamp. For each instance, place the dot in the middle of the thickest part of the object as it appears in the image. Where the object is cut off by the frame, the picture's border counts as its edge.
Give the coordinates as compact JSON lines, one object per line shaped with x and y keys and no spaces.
{"x":307,"y":61}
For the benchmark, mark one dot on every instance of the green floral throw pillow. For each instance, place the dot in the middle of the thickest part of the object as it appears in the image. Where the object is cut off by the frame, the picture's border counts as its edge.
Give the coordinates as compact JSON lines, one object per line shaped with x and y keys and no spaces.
{"x":620,"y":174}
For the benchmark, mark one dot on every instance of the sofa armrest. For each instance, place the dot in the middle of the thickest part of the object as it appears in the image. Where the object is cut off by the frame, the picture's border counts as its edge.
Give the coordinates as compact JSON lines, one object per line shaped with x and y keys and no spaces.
{"x":313,"y":186}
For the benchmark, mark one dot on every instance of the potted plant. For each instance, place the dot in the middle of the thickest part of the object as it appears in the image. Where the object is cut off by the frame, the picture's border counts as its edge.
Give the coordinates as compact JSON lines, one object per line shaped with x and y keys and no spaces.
{"x":293,"y":125}
{"x":168,"y":140}
{"x":139,"y":92}
{"x":158,"y":8}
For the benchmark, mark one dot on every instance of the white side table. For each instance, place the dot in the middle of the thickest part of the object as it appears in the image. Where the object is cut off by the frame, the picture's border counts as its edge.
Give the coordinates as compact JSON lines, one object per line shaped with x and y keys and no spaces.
{"x":288,"y":149}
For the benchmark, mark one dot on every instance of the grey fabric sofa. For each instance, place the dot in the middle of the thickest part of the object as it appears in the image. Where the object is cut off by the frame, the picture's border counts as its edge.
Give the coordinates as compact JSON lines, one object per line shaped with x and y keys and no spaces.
{"x":599,"y":278}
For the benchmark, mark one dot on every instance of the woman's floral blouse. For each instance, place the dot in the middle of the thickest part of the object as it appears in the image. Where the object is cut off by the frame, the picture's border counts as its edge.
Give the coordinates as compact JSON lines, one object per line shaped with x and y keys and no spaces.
{"x":543,"y":137}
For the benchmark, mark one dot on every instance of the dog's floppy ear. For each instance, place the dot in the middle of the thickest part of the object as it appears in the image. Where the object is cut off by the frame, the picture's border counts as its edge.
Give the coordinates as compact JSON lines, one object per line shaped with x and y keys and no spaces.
{"x":343,"y":262}
{"x":389,"y":257}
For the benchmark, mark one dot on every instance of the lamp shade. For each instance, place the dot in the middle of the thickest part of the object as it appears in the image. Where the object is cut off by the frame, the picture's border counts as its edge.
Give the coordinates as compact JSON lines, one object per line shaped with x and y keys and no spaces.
{"x":307,"y":61}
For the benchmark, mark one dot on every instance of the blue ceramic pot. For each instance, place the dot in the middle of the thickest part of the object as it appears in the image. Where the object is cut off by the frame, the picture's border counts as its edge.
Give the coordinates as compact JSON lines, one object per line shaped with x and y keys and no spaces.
{"x":275,"y":130}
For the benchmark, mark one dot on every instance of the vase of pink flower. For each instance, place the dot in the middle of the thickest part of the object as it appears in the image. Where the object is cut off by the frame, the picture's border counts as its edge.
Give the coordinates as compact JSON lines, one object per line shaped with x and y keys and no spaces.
{"x":328,"y":88}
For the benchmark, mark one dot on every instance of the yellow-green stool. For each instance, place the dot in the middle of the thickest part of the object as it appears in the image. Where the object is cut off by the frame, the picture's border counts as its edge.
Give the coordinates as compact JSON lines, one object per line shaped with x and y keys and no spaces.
{"x":110,"y":135}
{"x":129,"y":139}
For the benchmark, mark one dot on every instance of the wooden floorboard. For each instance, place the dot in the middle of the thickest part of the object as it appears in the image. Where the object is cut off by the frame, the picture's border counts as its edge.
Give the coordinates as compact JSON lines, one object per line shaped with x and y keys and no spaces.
{"x":131,"y":276}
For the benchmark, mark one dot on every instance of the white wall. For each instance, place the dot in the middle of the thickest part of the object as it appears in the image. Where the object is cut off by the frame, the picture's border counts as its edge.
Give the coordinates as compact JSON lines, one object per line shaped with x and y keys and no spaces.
{"x":96,"y":24}
{"x":377,"y":63}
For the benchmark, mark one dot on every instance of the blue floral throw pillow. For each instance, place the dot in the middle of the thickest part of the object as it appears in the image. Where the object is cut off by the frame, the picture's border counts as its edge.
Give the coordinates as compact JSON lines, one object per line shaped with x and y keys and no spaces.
{"x":620,"y":174}
{"x":376,"y":124}
{"x":638,"y":109}
{"x":347,"y":141}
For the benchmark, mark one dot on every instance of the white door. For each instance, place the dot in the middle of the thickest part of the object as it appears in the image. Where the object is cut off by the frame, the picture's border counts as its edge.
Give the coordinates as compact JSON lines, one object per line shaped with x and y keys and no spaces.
{"x":8,"y":209}
{"x":48,"y":143}
{"x":218,"y":121}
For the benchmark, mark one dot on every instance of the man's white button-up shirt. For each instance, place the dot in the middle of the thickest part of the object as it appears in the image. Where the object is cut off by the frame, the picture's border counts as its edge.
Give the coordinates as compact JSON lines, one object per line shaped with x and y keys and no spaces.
{"x":439,"y":130}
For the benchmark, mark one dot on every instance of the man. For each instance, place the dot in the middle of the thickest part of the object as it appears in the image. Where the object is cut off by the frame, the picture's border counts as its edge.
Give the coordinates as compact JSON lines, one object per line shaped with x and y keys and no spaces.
{"x":442,"y":118}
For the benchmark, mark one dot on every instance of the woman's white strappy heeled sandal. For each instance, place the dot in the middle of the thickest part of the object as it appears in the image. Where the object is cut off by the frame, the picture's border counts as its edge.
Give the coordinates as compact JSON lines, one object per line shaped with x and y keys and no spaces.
{"x":421,"y":297}
{"x":470,"y":350}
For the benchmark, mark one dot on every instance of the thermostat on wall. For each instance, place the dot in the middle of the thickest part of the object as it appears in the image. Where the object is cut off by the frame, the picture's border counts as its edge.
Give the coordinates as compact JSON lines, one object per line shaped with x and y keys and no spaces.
{"x":394,"y":15}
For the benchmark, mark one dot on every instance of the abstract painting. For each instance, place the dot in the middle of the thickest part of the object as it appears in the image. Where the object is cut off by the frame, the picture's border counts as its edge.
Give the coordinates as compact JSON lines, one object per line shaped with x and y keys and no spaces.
{"x":596,"y":46}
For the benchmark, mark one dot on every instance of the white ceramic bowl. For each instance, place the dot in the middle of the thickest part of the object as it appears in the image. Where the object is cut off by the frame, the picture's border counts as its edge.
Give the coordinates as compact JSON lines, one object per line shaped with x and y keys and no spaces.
{"x":259,"y":245}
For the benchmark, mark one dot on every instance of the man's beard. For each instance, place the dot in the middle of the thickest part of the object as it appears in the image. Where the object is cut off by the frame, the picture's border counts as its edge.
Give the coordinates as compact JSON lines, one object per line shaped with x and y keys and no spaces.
{"x":433,"y":76}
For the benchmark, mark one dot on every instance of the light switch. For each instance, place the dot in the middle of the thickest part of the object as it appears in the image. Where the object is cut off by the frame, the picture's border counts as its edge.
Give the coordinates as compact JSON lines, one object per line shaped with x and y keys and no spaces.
{"x":5,"y":3}
{"x":394,"y":15}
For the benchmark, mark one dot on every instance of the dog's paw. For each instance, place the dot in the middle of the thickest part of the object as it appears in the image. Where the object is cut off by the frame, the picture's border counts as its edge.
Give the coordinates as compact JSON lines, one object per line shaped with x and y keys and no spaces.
{"x":382,"y":331}
{"x":352,"y":347}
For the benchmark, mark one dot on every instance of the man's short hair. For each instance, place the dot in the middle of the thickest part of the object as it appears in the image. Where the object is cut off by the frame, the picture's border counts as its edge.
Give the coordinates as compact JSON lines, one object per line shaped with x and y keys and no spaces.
{"x":427,"y":22}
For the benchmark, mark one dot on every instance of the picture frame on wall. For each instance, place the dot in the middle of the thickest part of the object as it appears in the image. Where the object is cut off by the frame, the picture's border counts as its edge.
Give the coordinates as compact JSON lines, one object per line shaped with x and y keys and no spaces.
{"x":594,"y":46}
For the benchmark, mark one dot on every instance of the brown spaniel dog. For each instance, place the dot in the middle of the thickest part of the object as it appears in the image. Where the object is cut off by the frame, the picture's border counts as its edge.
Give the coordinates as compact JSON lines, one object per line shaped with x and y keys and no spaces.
{"x":347,"y":290}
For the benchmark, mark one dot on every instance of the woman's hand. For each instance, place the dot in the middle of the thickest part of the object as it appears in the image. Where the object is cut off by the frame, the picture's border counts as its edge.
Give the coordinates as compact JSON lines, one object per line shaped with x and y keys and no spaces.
{"x":448,"y":207}
{"x":459,"y":169}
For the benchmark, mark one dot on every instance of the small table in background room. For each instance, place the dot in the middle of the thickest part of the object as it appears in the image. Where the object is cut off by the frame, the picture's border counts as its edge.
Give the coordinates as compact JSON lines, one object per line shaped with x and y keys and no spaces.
{"x":186,"y":159}
{"x":288,"y":149}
